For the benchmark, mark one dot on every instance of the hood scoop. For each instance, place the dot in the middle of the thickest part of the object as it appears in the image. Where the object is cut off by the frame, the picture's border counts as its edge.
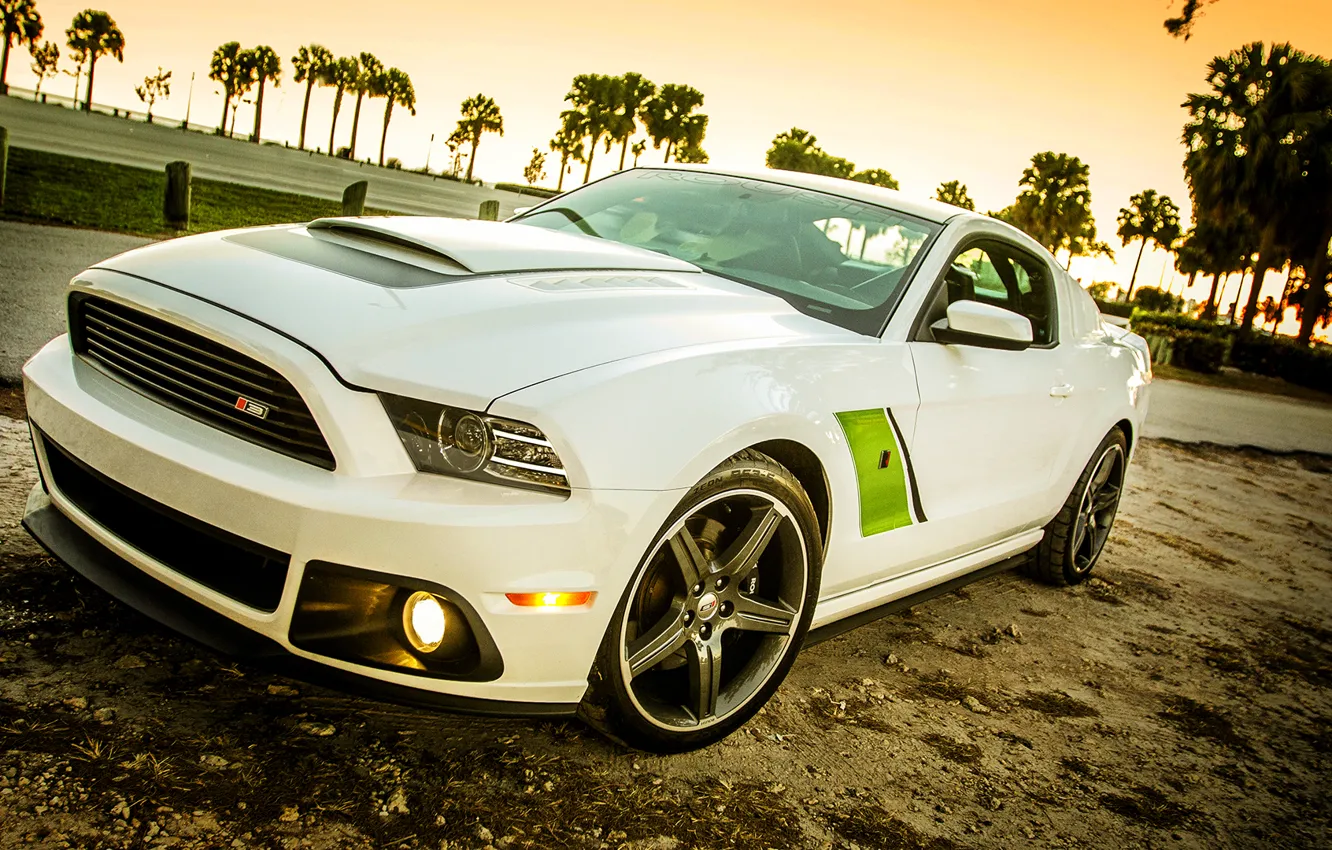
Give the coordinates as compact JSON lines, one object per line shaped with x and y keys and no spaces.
{"x":488,"y":247}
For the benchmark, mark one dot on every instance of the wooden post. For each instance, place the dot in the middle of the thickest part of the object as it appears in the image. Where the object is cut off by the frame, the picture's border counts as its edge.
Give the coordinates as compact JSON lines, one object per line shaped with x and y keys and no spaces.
{"x":353,"y":198}
{"x":489,"y":211}
{"x":176,"y":206}
{"x":4,"y":163}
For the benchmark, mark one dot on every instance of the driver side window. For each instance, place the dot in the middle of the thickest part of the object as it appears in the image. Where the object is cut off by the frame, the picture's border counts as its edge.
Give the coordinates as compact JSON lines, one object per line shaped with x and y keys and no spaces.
{"x":1003,"y":276}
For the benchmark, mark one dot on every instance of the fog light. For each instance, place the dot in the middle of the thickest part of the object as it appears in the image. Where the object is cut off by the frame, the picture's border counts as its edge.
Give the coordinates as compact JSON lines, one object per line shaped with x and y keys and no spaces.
{"x":423,"y":621}
{"x":550,"y":600}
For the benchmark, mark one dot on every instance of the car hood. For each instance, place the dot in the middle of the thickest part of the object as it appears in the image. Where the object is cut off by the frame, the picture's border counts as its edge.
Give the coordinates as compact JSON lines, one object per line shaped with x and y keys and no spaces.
{"x":463,"y":312}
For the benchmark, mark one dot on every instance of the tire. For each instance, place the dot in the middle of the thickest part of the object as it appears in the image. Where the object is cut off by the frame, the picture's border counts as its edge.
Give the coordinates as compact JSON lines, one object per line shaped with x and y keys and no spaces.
{"x":733,"y":576}
{"x":1073,"y":544}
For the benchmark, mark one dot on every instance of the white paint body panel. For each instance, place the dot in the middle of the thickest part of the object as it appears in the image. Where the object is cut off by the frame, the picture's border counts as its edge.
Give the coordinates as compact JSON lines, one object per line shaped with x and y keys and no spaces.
{"x":641,"y":389}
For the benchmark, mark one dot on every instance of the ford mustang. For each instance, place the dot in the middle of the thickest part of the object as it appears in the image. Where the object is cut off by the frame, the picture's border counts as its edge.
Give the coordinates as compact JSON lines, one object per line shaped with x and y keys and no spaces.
{"x":617,"y":456}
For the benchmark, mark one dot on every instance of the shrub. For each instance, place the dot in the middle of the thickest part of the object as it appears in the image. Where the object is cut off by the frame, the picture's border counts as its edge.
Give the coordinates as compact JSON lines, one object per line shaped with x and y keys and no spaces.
{"x":1282,"y":357}
{"x":393,"y":162}
{"x":1199,"y":352}
{"x":1114,"y":308}
{"x":535,"y":191}
{"x":344,"y":152}
{"x":1179,"y":322}
{"x":1156,"y":300}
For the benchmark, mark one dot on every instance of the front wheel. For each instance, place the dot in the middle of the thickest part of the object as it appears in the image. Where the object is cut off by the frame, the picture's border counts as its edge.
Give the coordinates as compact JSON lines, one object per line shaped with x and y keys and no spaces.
{"x":716,"y":612}
{"x":1075,"y":537}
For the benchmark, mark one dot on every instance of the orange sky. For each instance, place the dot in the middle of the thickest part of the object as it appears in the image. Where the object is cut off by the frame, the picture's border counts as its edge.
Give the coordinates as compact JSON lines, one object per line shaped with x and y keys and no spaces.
{"x":931,"y":91}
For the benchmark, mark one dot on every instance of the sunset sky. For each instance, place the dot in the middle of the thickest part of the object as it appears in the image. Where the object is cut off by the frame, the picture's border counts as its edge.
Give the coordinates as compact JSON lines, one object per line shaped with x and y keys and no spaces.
{"x":931,"y":91}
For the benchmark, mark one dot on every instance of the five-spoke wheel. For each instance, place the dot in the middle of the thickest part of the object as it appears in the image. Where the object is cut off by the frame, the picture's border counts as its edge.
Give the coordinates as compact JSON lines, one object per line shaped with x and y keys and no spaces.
{"x":1074,"y":539}
{"x":715,"y":614}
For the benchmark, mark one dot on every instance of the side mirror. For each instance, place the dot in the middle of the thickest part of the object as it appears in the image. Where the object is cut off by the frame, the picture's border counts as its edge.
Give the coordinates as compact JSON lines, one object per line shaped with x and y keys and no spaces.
{"x":984,"y":326}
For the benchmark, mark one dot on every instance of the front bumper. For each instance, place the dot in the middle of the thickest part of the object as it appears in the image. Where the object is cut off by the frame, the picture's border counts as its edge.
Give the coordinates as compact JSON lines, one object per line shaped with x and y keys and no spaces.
{"x":373,"y":513}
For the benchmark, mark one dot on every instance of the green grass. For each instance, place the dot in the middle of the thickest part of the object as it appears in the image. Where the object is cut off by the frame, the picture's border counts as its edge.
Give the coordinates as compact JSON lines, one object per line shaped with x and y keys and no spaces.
{"x":49,"y":188}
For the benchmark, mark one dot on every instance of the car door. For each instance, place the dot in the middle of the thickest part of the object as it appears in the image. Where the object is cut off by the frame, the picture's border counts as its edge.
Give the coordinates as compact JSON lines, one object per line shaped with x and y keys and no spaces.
{"x":992,"y":426}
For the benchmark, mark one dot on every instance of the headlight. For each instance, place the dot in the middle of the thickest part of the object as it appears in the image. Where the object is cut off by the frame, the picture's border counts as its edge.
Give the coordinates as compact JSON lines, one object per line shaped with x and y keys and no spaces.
{"x":452,"y":441}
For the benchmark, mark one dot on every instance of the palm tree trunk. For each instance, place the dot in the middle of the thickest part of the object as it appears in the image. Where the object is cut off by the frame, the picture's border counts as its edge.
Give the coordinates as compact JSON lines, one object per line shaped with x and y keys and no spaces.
{"x":591,"y":152}
{"x":1266,"y":247}
{"x":226,"y":107}
{"x":471,"y":160}
{"x":1134,"y":278}
{"x":92,"y":67}
{"x":1315,"y":293}
{"x":337,"y":104}
{"x":564,"y":162}
{"x":356,"y":122}
{"x":388,"y":114}
{"x":305,"y":110}
{"x":624,"y":148}
{"x":258,"y":111}
{"x":4,"y":69}
{"x":670,"y":146}
{"x":1209,"y":310}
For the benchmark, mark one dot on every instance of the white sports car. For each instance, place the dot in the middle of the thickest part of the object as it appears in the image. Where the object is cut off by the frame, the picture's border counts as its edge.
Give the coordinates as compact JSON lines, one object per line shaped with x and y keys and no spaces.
{"x":620,"y":454}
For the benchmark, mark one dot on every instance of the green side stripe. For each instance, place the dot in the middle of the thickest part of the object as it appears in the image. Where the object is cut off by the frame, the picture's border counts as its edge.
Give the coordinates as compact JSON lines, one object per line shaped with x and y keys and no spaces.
{"x":884,"y":501}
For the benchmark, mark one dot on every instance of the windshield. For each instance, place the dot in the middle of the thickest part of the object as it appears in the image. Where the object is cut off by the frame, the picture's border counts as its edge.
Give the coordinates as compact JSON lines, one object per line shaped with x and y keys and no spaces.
{"x":837,"y":259}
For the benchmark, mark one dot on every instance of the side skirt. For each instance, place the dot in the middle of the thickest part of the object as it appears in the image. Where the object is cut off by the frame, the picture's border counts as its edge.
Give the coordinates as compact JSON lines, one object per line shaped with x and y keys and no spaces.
{"x":846,"y":624}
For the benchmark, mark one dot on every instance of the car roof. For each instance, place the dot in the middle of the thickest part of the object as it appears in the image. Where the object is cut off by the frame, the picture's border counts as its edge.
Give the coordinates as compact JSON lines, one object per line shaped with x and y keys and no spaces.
{"x":930,"y":210}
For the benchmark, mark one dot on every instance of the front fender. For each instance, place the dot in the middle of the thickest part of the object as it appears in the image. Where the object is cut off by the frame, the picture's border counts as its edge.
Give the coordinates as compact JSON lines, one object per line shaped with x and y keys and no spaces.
{"x":663,"y":421}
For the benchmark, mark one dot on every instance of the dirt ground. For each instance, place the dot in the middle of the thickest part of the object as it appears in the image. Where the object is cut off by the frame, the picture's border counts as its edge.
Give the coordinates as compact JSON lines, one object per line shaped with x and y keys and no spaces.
{"x":1181,"y":699}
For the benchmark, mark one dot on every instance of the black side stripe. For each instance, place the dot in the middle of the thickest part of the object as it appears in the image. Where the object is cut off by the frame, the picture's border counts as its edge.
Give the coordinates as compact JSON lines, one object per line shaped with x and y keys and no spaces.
{"x":910,"y":470}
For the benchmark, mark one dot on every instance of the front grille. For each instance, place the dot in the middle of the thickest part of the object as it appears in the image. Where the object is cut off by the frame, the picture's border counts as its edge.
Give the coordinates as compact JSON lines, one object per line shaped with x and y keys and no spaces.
{"x":251,"y":574}
{"x":197,"y":377}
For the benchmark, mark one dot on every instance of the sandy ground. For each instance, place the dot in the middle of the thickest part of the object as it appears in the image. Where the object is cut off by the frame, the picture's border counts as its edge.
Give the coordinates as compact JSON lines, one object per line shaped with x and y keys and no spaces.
{"x":1180,"y":699}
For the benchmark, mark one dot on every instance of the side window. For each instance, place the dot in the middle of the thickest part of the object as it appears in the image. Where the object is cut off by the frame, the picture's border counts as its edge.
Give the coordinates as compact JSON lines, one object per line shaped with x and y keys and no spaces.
{"x":1004,"y":276}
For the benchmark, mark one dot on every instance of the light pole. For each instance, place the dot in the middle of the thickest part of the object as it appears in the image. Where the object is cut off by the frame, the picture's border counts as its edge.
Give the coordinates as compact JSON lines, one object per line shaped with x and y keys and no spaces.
{"x":188,"y":103}
{"x":428,"y":149}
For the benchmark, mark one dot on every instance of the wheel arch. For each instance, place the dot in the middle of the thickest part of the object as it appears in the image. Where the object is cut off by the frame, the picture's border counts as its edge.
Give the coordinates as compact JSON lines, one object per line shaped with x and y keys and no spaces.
{"x":805,"y":465}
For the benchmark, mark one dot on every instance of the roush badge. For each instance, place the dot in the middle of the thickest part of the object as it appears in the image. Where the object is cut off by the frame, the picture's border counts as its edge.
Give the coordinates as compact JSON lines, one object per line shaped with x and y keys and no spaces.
{"x":253,"y":408}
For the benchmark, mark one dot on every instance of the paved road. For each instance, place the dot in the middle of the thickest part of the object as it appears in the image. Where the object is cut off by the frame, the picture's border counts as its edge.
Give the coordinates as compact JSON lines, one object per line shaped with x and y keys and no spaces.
{"x":1199,"y":414}
{"x":35,"y":264}
{"x":65,"y":131}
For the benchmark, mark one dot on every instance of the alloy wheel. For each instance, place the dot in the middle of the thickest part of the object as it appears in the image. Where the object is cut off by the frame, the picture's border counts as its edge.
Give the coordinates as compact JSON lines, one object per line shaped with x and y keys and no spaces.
{"x":1096,"y":510}
{"x":714,"y":612}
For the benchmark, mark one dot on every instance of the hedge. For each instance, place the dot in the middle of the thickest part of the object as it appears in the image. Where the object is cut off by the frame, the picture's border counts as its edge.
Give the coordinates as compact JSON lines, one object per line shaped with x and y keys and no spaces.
{"x":1281,"y":357}
{"x":1199,"y":352}
{"x":1114,"y":308}
{"x":1180,"y":322}
{"x":535,"y":191}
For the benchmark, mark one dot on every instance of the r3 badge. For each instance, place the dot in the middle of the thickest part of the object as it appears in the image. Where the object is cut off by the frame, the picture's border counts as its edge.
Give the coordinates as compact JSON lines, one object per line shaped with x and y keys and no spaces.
{"x":253,"y":408}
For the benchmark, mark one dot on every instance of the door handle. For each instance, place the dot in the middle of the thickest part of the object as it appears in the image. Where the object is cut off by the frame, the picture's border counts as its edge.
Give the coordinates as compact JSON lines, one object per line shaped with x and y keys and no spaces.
{"x":1061,"y":391}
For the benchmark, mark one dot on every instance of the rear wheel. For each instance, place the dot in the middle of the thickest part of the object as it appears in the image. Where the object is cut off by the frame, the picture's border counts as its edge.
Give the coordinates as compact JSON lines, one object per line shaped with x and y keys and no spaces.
{"x":1076,"y":536}
{"x":716,"y":612}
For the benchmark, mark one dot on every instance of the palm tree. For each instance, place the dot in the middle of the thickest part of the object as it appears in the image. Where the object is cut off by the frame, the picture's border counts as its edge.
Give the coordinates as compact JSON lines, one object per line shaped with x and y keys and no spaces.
{"x":592,"y":113}
{"x":876,"y":177}
{"x":955,"y":192}
{"x":155,"y":86}
{"x":1248,"y":142}
{"x":95,"y":34}
{"x":1054,"y":206}
{"x":263,"y":64}
{"x":396,"y":86}
{"x":339,"y":75}
{"x":366,"y":78}
{"x":21,"y":25}
{"x":1152,"y":218}
{"x":568,"y":143}
{"x":637,"y":150}
{"x":310,"y":63}
{"x":480,"y":115}
{"x":668,"y":116}
{"x":227,"y":69}
{"x":632,"y":92}
{"x":45,"y":60}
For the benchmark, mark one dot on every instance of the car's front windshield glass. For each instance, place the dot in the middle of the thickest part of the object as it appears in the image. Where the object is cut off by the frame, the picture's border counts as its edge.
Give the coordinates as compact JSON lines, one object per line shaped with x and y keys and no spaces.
{"x":838,"y":259}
